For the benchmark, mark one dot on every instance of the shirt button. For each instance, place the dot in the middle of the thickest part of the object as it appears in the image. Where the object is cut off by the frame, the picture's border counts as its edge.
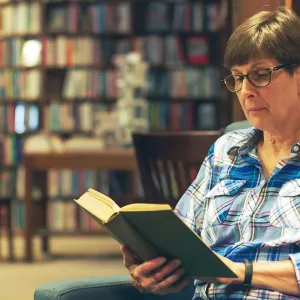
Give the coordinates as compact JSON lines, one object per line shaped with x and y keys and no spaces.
{"x":296,"y":148}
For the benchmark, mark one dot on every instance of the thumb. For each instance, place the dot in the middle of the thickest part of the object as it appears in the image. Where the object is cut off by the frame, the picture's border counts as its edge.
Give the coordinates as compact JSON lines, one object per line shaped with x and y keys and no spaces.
{"x":129,"y":257}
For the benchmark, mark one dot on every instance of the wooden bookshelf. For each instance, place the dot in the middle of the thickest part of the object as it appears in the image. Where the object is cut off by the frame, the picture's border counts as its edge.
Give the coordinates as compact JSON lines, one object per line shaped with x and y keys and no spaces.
{"x":74,"y":76}
{"x":123,"y":160}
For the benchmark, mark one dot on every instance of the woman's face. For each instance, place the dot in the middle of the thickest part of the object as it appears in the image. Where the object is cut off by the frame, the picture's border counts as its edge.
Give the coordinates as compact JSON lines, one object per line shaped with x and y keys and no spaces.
{"x":276,"y":105}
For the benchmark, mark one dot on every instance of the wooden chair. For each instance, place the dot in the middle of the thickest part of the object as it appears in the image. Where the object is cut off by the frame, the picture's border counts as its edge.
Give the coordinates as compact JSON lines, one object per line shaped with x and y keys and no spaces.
{"x":6,"y":204}
{"x":169,"y":161}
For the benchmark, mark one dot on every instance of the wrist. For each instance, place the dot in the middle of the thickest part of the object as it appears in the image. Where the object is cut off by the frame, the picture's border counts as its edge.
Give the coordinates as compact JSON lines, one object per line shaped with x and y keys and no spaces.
{"x":239,"y":270}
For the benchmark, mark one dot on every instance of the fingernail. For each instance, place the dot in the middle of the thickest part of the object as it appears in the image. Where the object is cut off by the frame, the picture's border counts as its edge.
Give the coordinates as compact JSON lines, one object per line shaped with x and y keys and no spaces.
{"x":178,"y":262}
{"x":163,"y":260}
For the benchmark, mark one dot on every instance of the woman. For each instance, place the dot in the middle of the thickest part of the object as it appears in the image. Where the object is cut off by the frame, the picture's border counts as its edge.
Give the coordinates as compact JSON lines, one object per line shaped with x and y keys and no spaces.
{"x":245,"y":201}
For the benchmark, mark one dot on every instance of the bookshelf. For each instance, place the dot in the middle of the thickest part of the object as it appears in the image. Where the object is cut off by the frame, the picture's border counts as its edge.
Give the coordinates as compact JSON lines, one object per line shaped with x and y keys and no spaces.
{"x":40,"y":215}
{"x":68,"y":80}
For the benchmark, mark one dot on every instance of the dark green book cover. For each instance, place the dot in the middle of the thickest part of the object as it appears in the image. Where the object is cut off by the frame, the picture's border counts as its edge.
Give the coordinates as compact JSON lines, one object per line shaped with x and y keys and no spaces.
{"x":152,"y":230}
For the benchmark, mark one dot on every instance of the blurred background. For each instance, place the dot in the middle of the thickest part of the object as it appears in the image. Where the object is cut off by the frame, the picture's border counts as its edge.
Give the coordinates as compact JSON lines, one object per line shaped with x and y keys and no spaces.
{"x":77,"y":77}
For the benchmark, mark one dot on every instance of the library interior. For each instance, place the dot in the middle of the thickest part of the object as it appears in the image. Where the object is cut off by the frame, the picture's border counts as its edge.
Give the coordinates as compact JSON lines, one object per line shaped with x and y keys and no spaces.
{"x":112,"y":95}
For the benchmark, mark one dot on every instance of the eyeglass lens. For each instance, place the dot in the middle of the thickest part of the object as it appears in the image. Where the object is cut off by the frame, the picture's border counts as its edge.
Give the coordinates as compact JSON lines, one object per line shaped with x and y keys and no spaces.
{"x":258,"y":78}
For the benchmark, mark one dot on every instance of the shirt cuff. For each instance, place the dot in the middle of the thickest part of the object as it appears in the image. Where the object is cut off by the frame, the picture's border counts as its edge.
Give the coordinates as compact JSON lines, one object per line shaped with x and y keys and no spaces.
{"x":295,"y":257}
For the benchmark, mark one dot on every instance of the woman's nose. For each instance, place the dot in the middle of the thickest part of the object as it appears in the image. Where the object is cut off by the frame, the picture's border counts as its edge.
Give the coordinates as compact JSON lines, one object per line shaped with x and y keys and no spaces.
{"x":247,"y":87}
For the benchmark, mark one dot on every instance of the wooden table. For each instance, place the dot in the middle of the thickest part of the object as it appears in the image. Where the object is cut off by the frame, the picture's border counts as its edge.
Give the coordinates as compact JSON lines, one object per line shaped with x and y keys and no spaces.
{"x":123,"y":160}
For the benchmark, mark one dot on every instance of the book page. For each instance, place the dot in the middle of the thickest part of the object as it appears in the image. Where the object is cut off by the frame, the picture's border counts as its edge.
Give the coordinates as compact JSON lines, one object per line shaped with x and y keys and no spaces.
{"x":101,"y":207}
{"x":146,"y":207}
{"x":108,"y":201}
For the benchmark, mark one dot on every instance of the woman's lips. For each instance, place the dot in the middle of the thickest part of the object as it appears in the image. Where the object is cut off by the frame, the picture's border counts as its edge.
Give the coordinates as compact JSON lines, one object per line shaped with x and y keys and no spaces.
{"x":255,"y":109}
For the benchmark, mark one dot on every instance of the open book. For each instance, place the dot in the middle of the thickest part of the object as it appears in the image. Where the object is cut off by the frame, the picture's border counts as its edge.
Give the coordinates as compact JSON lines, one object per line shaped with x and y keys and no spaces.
{"x":152,"y":230}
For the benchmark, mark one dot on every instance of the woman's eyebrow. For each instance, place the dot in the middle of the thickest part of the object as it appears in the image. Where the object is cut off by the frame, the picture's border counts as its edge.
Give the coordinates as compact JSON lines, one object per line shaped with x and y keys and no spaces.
{"x":252,"y":66}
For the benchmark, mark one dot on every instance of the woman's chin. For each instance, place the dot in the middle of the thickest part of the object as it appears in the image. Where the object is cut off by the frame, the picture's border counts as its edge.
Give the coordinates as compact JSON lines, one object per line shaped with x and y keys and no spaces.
{"x":258,"y":123}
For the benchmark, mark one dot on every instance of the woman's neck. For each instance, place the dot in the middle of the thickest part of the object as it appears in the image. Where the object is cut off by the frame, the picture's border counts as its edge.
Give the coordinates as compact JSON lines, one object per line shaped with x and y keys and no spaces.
{"x":278,"y":144}
{"x":274,"y":148}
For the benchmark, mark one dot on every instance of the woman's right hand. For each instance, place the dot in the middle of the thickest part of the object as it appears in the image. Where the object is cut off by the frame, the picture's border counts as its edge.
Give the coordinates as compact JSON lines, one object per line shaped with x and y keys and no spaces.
{"x":155,"y":276}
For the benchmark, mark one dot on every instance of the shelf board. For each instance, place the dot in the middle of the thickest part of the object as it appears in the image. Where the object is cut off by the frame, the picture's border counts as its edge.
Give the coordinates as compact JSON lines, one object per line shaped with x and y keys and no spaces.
{"x":68,"y":67}
{"x":50,"y":2}
{"x":24,"y":134}
{"x":59,"y":99}
{"x":181,"y":33}
{"x":20,"y":67}
{"x":118,"y":199}
{"x":181,"y":99}
{"x":5,"y":35}
{"x":87,"y":33}
{"x":19,"y":100}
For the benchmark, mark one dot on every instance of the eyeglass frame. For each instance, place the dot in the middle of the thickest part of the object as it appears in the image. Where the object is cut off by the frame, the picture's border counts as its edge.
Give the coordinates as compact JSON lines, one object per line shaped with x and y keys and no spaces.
{"x":271,"y":70}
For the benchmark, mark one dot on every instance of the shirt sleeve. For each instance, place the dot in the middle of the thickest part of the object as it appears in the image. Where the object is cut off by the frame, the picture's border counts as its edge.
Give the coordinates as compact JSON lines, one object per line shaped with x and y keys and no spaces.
{"x":189,"y":207}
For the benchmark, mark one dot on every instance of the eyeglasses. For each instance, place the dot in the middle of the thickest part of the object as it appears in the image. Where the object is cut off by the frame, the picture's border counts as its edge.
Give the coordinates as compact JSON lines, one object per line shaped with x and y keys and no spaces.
{"x":257,"y":77}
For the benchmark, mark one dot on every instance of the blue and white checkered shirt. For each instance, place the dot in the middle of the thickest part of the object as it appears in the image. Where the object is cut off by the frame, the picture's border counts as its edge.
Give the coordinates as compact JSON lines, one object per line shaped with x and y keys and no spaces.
{"x":241,"y":214}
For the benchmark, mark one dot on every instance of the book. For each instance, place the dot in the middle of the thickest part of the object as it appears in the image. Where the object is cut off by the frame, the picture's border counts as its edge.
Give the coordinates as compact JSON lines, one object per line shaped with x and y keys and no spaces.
{"x":152,"y":230}
{"x":197,"y":50}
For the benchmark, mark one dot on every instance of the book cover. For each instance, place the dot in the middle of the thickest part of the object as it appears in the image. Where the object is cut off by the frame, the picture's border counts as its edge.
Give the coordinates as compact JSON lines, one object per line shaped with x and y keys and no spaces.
{"x":152,"y":230}
{"x":197,"y":50}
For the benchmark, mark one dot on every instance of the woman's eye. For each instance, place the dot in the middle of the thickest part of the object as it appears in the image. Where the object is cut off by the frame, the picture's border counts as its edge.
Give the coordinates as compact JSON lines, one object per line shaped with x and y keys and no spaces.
{"x":260,"y":73}
{"x":238,"y":78}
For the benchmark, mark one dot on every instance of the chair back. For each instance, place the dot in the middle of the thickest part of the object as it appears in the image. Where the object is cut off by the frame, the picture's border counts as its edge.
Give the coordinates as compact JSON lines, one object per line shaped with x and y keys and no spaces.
{"x":169,"y":161}
{"x":237,"y":125}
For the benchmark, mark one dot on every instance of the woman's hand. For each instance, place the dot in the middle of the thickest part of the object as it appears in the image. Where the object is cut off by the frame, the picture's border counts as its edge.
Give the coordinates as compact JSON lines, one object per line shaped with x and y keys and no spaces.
{"x":155,"y":276}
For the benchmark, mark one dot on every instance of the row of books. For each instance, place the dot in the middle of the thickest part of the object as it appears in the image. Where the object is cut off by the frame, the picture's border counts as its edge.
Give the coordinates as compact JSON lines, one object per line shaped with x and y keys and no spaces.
{"x":19,"y":117}
{"x":189,"y":16}
{"x":7,"y":183}
{"x":89,"y":83}
{"x":69,"y":117}
{"x":69,"y":184}
{"x":61,"y":215}
{"x":176,"y":83}
{"x":12,"y":149}
{"x":66,"y":216}
{"x":62,"y":51}
{"x":64,"y":185}
{"x":160,"y":16}
{"x":173,"y":49}
{"x":92,"y":18}
{"x":183,"y":116}
{"x":88,"y":117}
{"x":184,"y":83}
{"x":20,"y":18}
{"x":17,"y":83}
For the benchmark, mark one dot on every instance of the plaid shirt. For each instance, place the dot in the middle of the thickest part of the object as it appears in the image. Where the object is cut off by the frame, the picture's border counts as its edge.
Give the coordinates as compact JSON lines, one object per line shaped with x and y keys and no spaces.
{"x":241,"y":214}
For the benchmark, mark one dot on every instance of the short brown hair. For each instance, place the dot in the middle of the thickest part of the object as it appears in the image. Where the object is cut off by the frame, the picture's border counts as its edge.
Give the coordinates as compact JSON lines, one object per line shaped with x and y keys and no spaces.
{"x":268,"y":34}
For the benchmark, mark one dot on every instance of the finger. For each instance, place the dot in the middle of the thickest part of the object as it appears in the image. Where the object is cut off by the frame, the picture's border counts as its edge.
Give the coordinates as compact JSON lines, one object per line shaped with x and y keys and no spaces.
{"x":149,"y":266}
{"x":172,"y":279}
{"x":166,"y":270}
{"x":126,"y":250}
{"x":173,"y":289}
{"x":129,"y":258}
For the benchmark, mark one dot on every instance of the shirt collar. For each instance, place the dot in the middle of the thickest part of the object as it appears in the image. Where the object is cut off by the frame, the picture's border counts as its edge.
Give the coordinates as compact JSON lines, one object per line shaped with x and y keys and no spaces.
{"x":248,"y":143}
